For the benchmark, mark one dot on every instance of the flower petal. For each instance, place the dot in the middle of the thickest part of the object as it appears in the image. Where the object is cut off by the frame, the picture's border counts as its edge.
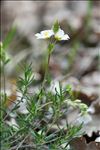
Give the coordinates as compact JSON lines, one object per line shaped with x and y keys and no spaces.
{"x":65,"y":37}
{"x":59,"y":34}
{"x":44,"y":34}
{"x":39,"y":36}
{"x":47,"y":33}
{"x":50,"y":32}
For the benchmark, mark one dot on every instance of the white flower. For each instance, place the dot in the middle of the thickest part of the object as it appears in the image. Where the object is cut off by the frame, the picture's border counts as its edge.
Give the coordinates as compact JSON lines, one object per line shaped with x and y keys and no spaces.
{"x":60,"y":35}
{"x":44,"y":34}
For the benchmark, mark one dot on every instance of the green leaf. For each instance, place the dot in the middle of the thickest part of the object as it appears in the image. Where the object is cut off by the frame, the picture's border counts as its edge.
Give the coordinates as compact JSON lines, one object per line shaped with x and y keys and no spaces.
{"x":56,"y":26}
{"x":9,"y":38}
{"x":50,"y":47}
{"x":7,"y":60}
{"x":68,"y":88}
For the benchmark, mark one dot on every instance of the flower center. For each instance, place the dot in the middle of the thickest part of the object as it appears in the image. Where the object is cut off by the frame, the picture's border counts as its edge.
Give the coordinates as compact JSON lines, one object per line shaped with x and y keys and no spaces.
{"x":46,"y":34}
{"x":57,"y":37}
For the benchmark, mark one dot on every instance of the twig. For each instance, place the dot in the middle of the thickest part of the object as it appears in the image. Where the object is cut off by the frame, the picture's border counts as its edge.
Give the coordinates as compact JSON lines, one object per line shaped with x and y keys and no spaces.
{"x":22,"y":142}
{"x":23,"y":146}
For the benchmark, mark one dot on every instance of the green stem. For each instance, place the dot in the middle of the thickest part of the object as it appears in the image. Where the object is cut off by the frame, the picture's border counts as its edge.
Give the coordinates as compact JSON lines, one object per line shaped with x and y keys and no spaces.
{"x":20,"y":144}
{"x":49,"y":50}
{"x":53,"y":122}
{"x":46,"y":71}
{"x":4,"y":82}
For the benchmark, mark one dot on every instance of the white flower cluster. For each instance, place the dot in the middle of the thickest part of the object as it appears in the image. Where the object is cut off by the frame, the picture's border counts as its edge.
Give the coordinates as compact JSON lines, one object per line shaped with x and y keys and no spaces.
{"x":60,"y":35}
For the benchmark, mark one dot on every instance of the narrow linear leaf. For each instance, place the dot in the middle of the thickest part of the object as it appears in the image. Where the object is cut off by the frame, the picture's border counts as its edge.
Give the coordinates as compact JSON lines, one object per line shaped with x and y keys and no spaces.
{"x":9,"y":37}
